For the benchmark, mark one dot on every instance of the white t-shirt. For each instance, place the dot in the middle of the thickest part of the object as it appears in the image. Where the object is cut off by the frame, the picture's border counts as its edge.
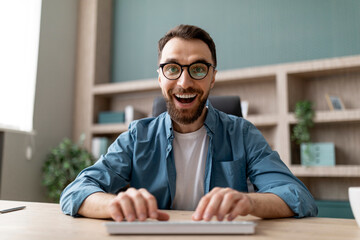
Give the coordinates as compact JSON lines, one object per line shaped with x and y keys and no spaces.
{"x":190,"y":153}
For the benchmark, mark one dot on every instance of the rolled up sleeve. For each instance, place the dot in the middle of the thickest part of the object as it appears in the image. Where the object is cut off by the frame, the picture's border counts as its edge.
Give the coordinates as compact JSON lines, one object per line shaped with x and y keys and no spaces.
{"x":269,"y":174}
{"x":109,"y":174}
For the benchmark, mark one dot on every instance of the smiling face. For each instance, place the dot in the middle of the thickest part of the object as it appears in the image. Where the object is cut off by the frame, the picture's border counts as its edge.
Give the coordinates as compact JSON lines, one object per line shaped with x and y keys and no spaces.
{"x":185,"y":96}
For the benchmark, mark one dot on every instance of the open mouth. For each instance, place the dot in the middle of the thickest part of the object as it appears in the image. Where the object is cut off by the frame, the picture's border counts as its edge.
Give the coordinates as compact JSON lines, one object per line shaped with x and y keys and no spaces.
{"x":185,"y":98}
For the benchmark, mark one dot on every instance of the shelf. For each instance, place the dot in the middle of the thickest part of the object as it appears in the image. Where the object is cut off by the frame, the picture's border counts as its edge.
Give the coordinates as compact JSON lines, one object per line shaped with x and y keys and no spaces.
{"x":109,"y":128}
{"x":259,"y":121}
{"x":126,"y":87}
{"x":352,"y":115}
{"x":331,"y":171}
{"x":272,"y":92}
{"x":263,"y":120}
{"x":246,"y":75}
{"x":324,"y":66}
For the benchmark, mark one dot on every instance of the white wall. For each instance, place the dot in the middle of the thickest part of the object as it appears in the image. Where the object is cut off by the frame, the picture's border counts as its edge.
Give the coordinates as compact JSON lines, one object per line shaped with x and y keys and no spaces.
{"x":21,"y":178}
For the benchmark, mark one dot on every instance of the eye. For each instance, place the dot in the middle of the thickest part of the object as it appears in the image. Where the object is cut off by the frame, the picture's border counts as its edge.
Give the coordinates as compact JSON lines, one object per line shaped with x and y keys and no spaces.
{"x":198,"y":70}
{"x":171,"y":69}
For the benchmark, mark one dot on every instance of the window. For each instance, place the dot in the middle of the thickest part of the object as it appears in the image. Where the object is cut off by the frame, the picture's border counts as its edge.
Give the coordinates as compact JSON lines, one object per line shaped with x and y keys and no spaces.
{"x":19,"y":45}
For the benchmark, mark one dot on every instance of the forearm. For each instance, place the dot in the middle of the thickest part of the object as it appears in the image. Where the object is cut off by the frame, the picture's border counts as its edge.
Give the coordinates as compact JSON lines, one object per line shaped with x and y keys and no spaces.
{"x":268,"y":205}
{"x":96,"y":205}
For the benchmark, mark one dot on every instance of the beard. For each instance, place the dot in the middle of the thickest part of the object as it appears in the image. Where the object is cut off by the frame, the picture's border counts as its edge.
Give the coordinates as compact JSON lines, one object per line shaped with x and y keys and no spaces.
{"x":186,"y":116}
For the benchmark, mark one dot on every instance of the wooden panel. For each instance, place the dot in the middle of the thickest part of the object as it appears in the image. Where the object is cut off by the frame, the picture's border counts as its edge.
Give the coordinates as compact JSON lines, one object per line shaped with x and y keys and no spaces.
{"x":103,"y":41}
{"x":269,"y":134}
{"x":85,"y":69}
{"x":295,"y":92}
{"x":345,"y":85}
{"x":101,"y":104}
{"x":345,"y":136}
{"x":337,"y":171}
{"x":283,"y":133}
{"x":265,"y":120}
{"x":261,"y":94}
{"x":93,"y":61}
{"x":323,"y":66}
{"x":342,"y":116}
{"x":41,"y":221}
{"x":106,"y":129}
{"x":127,"y":87}
{"x":142,"y":102}
{"x":330,"y":188}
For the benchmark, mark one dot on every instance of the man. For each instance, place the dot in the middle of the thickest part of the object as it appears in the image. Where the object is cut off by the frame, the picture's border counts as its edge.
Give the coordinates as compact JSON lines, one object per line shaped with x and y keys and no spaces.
{"x":192,"y":157}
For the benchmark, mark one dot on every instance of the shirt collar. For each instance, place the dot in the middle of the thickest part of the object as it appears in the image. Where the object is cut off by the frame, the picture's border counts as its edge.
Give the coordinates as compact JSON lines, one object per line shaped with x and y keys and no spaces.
{"x":168,"y":126}
{"x":210,"y":121}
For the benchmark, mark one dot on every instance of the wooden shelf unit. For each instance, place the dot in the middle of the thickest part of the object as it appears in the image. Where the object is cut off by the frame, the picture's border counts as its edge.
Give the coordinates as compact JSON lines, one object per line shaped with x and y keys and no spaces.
{"x":271,"y":91}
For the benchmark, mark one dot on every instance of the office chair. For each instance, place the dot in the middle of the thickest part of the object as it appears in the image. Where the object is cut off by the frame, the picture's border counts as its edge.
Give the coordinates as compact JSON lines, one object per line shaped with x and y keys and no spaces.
{"x":226,"y":104}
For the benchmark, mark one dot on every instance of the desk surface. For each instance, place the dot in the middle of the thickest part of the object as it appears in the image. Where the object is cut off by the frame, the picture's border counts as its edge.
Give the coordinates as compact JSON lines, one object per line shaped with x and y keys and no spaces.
{"x":46,"y":221}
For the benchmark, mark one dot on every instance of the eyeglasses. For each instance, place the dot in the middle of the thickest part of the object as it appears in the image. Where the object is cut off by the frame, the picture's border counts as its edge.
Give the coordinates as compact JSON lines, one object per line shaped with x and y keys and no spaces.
{"x":197,"y":70}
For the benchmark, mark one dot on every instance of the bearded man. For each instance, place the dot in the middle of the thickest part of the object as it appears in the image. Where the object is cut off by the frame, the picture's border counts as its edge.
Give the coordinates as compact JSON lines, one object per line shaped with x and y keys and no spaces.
{"x":192,"y":157}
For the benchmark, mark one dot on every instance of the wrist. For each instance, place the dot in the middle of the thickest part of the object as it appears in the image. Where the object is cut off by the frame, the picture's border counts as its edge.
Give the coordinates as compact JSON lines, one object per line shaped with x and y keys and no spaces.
{"x":252,"y":203}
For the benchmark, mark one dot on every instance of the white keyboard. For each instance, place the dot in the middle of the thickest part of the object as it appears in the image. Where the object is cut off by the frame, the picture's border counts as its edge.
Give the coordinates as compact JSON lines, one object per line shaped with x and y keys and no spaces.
{"x":181,"y":227}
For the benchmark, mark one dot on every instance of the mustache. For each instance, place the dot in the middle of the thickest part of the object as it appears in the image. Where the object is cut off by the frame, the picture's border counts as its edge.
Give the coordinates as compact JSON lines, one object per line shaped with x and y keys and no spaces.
{"x":180,"y":90}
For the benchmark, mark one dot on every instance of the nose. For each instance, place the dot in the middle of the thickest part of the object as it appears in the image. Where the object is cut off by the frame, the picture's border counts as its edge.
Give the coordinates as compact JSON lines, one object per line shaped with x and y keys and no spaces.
{"x":185,"y":81}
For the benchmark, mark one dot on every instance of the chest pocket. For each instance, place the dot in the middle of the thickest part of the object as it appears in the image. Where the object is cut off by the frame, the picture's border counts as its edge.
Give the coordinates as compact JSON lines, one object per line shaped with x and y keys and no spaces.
{"x":229,"y":174}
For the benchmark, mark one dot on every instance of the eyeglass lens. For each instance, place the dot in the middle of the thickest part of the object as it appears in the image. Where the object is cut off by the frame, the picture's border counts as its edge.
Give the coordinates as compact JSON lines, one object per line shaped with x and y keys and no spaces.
{"x":196,"y":70}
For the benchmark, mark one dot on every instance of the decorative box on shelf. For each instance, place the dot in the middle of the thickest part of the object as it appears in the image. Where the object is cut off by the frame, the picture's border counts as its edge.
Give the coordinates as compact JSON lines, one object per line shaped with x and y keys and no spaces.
{"x":318,"y":154}
{"x":111,"y":117}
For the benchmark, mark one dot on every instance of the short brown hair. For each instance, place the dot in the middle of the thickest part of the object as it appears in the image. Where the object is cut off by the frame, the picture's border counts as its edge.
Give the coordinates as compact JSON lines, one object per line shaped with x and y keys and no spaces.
{"x":188,"y":32}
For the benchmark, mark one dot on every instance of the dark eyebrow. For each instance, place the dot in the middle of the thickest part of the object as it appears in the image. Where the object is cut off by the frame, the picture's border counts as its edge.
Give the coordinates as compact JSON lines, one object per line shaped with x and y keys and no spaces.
{"x":170,"y":60}
{"x":173,"y":60}
{"x":200,"y":61}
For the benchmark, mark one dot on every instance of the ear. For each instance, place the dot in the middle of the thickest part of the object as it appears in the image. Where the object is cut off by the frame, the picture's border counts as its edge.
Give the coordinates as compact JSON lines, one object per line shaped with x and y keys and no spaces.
{"x":159,"y":78}
{"x":213,"y":79}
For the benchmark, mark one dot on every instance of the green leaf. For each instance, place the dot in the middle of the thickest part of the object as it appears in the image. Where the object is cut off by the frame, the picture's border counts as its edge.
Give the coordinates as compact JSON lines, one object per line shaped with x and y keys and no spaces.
{"x":304,"y":113}
{"x":62,"y":165}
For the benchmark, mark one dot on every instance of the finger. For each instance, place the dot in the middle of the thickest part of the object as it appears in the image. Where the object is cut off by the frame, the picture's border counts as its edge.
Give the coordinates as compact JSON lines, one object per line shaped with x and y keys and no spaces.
{"x":139,"y":203}
{"x":162,"y":216}
{"x":127,"y":206}
{"x":215,"y":190}
{"x":151,"y":203}
{"x":213,"y":206}
{"x":242,"y":208}
{"x":115,"y":211}
{"x":227,"y":205}
{"x":204,"y":201}
{"x":199,"y":211}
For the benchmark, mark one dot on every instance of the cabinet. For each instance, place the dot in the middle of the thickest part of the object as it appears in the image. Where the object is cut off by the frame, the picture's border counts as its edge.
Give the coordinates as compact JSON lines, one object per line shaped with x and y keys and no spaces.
{"x":271,"y":91}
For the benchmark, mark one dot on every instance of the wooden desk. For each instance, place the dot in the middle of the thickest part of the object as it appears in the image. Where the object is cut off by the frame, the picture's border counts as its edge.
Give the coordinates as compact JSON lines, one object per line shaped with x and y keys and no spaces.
{"x":46,"y":221}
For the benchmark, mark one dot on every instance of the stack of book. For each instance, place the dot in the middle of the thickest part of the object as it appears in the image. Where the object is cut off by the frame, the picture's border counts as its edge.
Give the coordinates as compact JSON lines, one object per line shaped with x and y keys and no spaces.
{"x":128,"y":115}
{"x":111,"y":117}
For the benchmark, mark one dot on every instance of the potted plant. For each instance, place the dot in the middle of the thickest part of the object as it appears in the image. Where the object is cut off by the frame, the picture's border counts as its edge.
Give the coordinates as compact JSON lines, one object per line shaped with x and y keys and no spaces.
{"x":62,"y":165}
{"x":311,"y":154}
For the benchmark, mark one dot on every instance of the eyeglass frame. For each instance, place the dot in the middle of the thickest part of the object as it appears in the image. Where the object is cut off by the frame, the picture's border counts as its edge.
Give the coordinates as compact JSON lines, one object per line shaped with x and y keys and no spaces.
{"x":162,"y":65}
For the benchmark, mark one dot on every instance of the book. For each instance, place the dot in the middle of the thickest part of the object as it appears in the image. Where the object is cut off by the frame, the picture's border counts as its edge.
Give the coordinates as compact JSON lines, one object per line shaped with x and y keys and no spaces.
{"x":111,"y":117}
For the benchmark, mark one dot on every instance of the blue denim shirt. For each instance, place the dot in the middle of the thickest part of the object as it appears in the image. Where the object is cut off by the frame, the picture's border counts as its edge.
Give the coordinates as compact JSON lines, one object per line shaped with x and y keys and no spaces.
{"x":142,"y":157}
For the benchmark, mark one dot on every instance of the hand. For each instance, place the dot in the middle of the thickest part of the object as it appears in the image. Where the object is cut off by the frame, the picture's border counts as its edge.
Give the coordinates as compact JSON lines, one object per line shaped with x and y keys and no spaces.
{"x":135,"y":204}
{"x":222,"y":201}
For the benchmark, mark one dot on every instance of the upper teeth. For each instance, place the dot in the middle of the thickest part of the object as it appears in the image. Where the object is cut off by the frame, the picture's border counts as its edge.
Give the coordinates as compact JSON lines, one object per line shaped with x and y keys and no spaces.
{"x":185,"y":95}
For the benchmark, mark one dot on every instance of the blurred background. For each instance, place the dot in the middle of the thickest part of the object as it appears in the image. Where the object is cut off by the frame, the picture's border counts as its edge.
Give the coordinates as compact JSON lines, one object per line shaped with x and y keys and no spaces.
{"x":247,"y":33}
